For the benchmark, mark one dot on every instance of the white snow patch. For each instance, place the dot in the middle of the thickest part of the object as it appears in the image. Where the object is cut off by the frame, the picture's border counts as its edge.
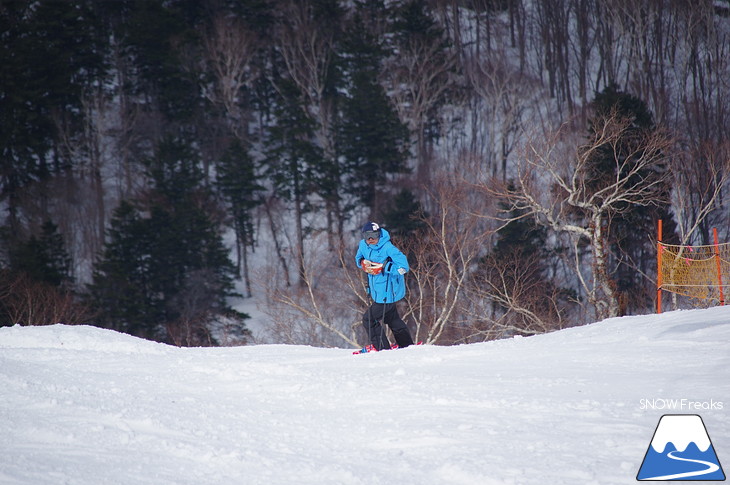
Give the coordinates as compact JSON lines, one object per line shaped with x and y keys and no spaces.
{"x":85,"y":406}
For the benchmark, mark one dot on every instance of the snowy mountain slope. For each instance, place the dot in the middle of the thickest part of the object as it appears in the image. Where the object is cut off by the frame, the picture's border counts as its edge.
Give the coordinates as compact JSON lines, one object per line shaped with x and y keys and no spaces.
{"x":81,"y":405}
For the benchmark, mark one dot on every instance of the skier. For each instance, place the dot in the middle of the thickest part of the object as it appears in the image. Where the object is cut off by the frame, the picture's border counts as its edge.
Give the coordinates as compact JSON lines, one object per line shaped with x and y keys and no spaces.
{"x":385,"y":265}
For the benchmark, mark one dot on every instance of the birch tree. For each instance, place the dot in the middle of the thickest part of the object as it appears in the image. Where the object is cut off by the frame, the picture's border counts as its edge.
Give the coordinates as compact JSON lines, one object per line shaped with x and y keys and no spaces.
{"x":230,"y":48}
{"x":574,"y":206}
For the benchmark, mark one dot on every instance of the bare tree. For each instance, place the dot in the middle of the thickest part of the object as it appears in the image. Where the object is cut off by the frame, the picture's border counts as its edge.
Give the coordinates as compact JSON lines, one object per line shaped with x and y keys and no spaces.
{"x":510,"y":295}
{"x":552,"y":185}
{"x":273,"y":213}
{"x":505,"y":96}
{"x":29,"y":302}
{"x":701,"y":178}
{"x":553,"y":19}
{"x":418,"y":80}
{"x":327,"y":309}
{"x":459,"y":291}
{"x":230,"y":48}
{"x":324,"y":311}
{"x":443,"y":258}
{"x":583,"y":43}
{"x":125,"y":129}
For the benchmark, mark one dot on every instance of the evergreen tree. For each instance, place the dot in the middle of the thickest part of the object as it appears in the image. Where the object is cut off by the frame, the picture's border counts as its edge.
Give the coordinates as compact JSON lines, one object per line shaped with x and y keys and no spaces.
{"x":122,"y":290}
{"x":522,"y":235}
{"x":167,"y":271}
{"x":155,"y":35}
{"x":404,"y":216}
{"x":36,"y":287}
{"x":292,"y":159}
{"x":413,"y":19}
{"x":44,"y":258}
{"x":372,"y":140}
{"x":50,"y":53}
{"x":604,"y":164}
{"x":257,"y":14}
{"x":237,"y":180}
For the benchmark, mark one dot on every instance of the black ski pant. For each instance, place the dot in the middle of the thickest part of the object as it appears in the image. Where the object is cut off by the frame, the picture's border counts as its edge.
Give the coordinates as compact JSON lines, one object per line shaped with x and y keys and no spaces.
{"x":386,"y":313}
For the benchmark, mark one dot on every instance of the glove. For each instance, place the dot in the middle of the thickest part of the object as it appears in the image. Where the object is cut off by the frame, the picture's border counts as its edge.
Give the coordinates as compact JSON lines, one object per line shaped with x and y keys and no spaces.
{"x":370,"y":267}
{"x":402,"y":271}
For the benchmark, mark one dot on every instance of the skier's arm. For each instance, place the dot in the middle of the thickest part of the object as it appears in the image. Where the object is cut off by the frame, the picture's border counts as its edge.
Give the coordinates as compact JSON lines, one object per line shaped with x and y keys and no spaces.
{"x":398,"y":261}
{"x":359,"y":256}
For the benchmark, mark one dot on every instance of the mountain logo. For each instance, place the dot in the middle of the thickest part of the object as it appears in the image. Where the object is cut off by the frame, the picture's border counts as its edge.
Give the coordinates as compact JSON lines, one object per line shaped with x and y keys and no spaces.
{"x":681,"y":450}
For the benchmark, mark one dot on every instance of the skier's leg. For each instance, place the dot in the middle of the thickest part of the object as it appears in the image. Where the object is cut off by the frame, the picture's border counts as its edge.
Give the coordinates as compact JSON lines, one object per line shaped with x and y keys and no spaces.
{"x":374,"y":329}
{"x":398,"y":326}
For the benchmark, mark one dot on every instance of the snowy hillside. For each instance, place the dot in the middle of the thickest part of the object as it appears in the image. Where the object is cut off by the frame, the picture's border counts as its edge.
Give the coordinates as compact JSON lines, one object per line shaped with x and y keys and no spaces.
{"x":86,"y":406}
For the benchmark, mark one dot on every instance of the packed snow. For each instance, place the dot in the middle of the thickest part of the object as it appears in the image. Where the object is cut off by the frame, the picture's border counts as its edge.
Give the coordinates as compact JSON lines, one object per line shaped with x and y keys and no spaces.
{"x":81,"y":405}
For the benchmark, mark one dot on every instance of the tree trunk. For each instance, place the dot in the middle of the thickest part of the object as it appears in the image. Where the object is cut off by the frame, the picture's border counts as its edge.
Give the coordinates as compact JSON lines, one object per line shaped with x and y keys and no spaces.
{"x":606,"y":301}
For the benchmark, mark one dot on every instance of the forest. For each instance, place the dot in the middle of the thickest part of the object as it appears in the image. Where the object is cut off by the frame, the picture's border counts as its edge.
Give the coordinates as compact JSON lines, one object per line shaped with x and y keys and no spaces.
{"x":166,"y":163}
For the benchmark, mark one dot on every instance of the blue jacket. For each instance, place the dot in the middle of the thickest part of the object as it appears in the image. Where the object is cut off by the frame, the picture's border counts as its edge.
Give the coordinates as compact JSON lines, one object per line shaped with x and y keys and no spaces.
{"x":389,"y":286}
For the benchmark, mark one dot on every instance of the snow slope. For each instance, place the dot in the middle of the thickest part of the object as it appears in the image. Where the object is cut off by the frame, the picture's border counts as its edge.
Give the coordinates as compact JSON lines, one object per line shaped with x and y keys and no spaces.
{"x":82,"y":405}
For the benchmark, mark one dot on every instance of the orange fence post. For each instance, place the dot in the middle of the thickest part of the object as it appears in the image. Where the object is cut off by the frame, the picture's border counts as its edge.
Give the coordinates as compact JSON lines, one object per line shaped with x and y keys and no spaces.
{"x":659,"y":269}
{"x":719,"y":267}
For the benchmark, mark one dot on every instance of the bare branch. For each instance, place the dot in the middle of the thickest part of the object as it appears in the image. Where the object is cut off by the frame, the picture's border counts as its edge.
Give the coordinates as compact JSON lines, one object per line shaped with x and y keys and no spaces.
{"x":702,"y":174}
{"x":444,"y":258}
{"x":579,"y":203}
{"x":229,"y":49}
{"x":323,"y":311}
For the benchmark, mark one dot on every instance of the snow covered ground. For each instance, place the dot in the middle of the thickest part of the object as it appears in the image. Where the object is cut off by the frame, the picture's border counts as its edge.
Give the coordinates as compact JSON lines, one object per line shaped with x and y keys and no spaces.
{"x":82,"y":405}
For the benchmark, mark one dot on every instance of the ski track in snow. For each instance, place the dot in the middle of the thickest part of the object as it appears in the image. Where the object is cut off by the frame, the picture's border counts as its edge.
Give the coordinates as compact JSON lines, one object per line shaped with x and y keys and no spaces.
{"x":86,"y":406}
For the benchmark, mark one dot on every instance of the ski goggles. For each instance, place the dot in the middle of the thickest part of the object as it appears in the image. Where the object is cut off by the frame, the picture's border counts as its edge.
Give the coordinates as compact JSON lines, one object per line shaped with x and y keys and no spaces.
{"x":371,"y":235}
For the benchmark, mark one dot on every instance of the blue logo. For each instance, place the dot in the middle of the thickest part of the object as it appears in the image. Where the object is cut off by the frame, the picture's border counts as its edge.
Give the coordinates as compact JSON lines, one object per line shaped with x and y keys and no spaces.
{"x":681,"y":450}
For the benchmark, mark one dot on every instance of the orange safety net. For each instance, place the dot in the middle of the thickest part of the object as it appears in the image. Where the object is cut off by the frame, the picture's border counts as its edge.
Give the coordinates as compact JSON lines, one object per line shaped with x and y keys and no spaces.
{"x":695,"y":271}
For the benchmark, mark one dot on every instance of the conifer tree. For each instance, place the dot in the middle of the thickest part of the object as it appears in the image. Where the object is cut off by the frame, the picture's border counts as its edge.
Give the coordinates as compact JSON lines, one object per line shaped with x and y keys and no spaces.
{"x":122,"y":289}
{"x":292,"y":159}
{"x":36,"y":288}
{"x":405,"y":214}
{"x":155,"y":34}
{"x":520,"y":234}
{"x":372,"y":140}
{"x":165,"y":273}
{"x":50,"y":52}
{"x":237,"y":180}
{"x":44,"y":258}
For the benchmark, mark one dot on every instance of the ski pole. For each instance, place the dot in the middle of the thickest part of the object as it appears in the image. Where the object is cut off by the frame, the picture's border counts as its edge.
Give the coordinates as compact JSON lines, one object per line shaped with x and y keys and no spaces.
{"x":385,"y":299}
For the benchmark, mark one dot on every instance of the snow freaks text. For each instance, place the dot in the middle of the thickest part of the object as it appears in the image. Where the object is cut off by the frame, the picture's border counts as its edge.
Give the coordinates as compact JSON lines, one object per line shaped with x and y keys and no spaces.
{"x":680,"y":405}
